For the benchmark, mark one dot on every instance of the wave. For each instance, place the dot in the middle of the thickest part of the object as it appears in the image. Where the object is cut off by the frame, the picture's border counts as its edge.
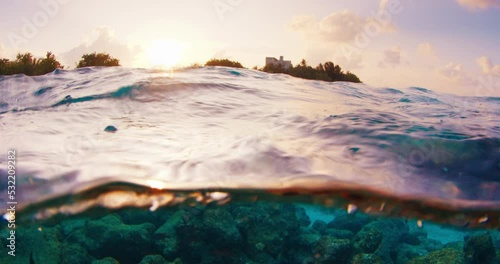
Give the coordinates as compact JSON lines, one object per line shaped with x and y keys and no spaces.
{"x":236,"y":130}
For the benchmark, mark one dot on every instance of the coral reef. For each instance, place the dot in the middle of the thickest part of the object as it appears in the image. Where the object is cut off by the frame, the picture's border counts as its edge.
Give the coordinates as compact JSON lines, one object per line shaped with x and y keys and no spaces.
{"x":479,"y":249}
{"x":260,"y":232}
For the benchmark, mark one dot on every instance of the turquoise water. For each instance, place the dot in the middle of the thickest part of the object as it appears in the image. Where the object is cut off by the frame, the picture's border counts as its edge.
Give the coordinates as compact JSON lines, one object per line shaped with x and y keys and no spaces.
{"x":255,"y":167}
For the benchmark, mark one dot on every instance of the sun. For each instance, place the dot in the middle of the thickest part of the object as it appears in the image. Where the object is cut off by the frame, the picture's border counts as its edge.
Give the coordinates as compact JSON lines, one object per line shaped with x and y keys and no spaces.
{"x":165,"y":53}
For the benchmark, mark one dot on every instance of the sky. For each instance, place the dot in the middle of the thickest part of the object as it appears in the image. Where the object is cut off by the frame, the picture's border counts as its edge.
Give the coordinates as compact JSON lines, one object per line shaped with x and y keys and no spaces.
{"x":449,"y":46}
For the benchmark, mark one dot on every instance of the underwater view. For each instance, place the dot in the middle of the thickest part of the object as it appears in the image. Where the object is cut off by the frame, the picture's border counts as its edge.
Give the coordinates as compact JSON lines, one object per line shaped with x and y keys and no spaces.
{"x":229,"y":165}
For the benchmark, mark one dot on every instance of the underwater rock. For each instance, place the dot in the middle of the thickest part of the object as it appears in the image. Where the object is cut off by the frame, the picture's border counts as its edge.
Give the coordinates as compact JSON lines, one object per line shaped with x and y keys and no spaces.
{"x":300,"y":247}
{"x":22,"y":240}
{"x":306,"y":239}
{"x":269,"y":224}
{"x":70,"y":225}
{"x":410,"y":239}
{"x":339,"y":233}
{"x":433,"y":245}
{"x":165,"y":237}
{"x":302,"y":216}
{"x":239,"y":233}
{"x":367,"y":240}
{"x":158,"y":259}
{"x":48,"y":247}
{"x":220,"y":227}
{"x":107,"y":260}
{"x":414,"y":237}
{"x":496,"y":238}
{"x":332,"y":250}
{"x":109,"y":237}
{"x":73,"y":253}
{"x":479,"y":249}
{"x":203,"y":234}
{"x":391,"y":231}
{"x":351,"y":222}
{"x":443,"y":256}
{"x":406,"y":252}
{"x":364,"y":258}
{"x":319,"y":226}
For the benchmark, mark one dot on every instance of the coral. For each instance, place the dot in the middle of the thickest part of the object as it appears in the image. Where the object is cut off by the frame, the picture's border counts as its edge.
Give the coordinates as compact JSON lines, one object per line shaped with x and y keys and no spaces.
{"x":364,"y":258}
{"x":300,"y":247}
{"x":109,"y":237}
{"x":368,"y":240}
{"x":158,"y":259}
{"x":107,"y":260}
{"x":319,"y":226}
{"x":70,"y":225}
{"x":479,"y":249}
{"x":302,"y":217}
{"x":48,"y":247}
{"x":443,"y":256}
{"x":165,"y":237}
{"x":73,"y":253}
{"x":332,"y":250}
{"x":339,"y":233}
{"x":351,"y":222}
{"x":220,"y":227}
{"x":406,"y":252}
{"x":240,"y":232}
{"x":269,"y":224}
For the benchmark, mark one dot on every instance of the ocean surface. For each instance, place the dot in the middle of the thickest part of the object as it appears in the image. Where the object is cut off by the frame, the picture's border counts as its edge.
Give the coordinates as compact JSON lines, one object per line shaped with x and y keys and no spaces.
{"x":116,"y":137}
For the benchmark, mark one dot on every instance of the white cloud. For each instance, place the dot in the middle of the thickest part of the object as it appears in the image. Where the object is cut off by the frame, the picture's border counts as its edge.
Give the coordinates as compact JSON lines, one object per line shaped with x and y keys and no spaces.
{"x":392,"y":57}
{"x":382,"y":6}
{"x":478,"y":4}
{"x":487,"y":66}
{"x":454,"y":72}
{"x":341,"y":27}
{"x":104,"y":42}
{"x":303,"y":23}
{"x":352,"y":63}
{"x":427,"y":50}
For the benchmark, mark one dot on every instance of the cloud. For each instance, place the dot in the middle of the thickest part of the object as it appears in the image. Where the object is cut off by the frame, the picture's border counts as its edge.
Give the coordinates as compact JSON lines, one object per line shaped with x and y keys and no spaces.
{"x":454,"y":72}
{"x":302,"y":23}
{"x":487,"y":66}
{"x":353,"y":62}
{"x":382,"y":6}
{"x":104,"y":42}
{"x":478,"y":4}
{"x":427,"y":50}
{"x":341,"y":26}
{"x":392,"y":57}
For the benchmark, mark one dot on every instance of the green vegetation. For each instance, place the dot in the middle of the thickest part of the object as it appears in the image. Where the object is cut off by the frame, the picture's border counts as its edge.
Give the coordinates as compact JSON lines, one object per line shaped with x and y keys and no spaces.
{"x":97,"y":59}
{"x":29,"y":65}
{"x":325,"y":72}
{"x":328,"y":71}
{"x":224,"y":62}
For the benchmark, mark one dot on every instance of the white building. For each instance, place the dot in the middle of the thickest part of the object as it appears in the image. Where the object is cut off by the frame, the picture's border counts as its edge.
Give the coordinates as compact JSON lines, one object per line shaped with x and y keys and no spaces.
{"x":286,"y":64}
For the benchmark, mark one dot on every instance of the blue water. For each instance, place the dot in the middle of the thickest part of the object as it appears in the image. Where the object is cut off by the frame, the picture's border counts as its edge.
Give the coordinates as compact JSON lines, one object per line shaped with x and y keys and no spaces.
{"x":111,"y":158}
{"x":223,"y":128}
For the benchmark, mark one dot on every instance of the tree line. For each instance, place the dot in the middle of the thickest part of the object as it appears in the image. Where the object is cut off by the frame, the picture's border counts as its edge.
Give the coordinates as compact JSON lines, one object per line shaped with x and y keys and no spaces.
{"x":327,"y":71}
{"x":324,"y":72}
{"x":29,"y":65}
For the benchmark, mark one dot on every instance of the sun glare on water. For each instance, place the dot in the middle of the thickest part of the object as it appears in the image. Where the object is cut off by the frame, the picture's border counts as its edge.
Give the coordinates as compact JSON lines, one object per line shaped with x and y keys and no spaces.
{"x":165,"y":54}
